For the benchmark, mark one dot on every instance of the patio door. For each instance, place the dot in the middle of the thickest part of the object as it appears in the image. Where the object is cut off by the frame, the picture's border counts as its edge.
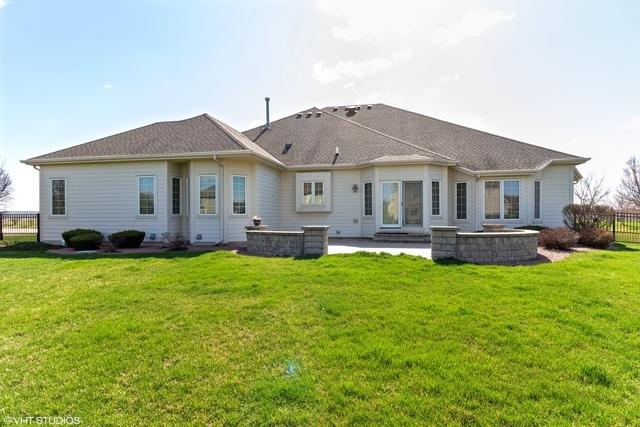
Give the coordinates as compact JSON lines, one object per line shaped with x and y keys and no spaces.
{"x":391,"y":204}
{"x":412,"y":203}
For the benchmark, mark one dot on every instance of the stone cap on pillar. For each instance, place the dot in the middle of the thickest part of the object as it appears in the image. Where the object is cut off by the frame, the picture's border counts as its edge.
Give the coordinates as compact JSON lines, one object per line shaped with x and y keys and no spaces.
{"x":444,"y":228}
{"x":315,"y":227}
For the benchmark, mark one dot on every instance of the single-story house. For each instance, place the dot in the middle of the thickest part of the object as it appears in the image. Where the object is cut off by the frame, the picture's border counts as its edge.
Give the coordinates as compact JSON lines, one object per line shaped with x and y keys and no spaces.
{"x":361,"y":169}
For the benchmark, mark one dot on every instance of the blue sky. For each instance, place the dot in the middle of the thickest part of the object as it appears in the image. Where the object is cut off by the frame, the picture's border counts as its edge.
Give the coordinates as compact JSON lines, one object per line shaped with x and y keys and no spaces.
{"x":557,"y":74}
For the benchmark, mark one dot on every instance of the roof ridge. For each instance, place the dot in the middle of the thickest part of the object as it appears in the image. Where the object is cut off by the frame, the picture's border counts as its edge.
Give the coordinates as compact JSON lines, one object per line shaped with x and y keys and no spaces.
{"x":390,"y":136}
{"x":216,"y":124}
{"x":478,"y":130}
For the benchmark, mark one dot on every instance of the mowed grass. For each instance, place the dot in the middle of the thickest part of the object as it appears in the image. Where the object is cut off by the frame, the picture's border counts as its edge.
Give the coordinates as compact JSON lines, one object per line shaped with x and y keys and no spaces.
{"x":219,"y":338}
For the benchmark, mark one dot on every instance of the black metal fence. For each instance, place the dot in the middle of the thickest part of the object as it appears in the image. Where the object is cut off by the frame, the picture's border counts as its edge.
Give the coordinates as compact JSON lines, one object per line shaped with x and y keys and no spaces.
{"x":625,"y":226}
{"x":20,"y":226}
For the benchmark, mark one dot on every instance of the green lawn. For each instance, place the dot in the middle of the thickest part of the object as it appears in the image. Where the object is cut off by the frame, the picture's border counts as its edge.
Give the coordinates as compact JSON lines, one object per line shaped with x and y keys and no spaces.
{"x":219,"y":338}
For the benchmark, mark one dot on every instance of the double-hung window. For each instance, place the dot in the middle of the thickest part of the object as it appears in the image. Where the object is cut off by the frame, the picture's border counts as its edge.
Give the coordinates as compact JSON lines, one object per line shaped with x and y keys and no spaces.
{"x":435,"y":198}
{"x":239,"y":191}
{"x":536,"y":199}
{"x":502,"y":199}
{"x":176,"y":190}
{"x":313,"y":193}
{"x":146,"y":195}
{"x":208,"y":186}
{"x":461,"y":200}
{"x":58,"y":197}
{"x":368,"y":199}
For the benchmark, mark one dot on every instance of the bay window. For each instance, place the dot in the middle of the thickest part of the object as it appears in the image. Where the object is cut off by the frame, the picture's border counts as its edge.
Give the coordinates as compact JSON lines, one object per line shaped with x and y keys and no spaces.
{"x":368,"y":199}
{"x":208,"y":186}
{"x":435,"y":198}
{"x":239,"y":191}
{"x":461,"y":200}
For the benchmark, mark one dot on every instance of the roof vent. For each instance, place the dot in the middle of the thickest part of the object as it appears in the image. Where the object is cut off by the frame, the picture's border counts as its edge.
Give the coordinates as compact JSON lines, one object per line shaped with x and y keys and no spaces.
{"x":318,"y":113}
{"x":287,"y":147}
{"x":369,"y":107}
{"x":351,"y":108}
{"x":309,"y":114}
{"x":298,"y":115}
{"x":335,"y":108}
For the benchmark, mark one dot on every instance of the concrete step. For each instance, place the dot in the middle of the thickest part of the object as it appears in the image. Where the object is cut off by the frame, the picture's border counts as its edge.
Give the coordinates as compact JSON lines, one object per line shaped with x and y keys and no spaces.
{"x":402,"y":237}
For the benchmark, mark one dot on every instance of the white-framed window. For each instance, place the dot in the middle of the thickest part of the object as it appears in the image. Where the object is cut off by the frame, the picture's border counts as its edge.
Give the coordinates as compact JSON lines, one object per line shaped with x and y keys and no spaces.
{"x":502,"y":199}
{"x":146,"y":195}
{"x":368,"y":198}
{"x":58,"y":197}
{"x":537,"y":192}
{"x":176,"y":195}
{"x":207,"y":194}
{"x":461,"y":200}
{"x":239,"y":194}
{"x":435,"y":198}
{"x":313,"y":193}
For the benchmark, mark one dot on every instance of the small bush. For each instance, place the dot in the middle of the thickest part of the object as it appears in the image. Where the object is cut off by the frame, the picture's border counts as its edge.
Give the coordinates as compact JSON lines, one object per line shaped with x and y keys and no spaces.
{"x":67,"y":235}
{"x":174,"y":241}
{"x":579,"y":217}
{"x":595,"y":237}
{"x":86,"y":242}
{"x":558,"y":238}
{"x":532,"y":227}
{"x":127,"y":238}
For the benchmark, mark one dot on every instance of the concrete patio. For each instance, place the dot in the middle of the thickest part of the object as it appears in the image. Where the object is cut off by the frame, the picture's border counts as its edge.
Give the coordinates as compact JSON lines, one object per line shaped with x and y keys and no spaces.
{"x":349,"y":246}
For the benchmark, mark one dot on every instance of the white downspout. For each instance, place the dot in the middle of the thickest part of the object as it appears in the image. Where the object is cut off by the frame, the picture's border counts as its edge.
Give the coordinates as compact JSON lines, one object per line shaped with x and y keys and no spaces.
{"x":221,"y":192}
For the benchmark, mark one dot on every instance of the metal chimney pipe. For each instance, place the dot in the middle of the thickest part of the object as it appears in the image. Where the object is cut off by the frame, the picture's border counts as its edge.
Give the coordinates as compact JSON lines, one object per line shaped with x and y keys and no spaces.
{"x":268,"y":125}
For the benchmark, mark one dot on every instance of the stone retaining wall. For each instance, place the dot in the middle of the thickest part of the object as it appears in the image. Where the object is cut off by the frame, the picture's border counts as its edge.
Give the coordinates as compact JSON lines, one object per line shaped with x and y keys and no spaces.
{"x":312,"y":240}
{"x":485,"y":248}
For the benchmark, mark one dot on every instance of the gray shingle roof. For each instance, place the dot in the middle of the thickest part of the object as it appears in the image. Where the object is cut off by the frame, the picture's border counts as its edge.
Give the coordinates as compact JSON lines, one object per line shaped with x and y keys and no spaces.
{"x":200,"y":134}
{"x":472,"y":149}
{"x":313,"y":139}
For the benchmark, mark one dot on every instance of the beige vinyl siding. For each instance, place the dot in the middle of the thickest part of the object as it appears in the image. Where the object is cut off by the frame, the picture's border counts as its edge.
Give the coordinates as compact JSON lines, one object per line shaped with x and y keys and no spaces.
{"x":346,"y":206}
{"x":267,"y":191}
{"x":103,"y":196}
{"x":556,"y":193}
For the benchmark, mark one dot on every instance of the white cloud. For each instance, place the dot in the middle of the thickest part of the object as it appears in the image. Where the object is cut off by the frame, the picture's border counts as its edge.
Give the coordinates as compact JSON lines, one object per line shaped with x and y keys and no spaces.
{"x":473,"y":23}
{"x":108,"y":86}
{"x":372,"y":98}
{"x":4,"y":3}
{"x":350,"y":86}
{"x":632,"y":123}
{"x":366,"y":19}
{"x":357,"y":70}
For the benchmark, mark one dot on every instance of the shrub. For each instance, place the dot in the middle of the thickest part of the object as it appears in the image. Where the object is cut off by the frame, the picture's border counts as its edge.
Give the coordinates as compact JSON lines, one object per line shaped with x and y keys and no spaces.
{"x":579,"y":217}
{"x":174,"y":241}
{"x":595,"y":237}
{"x":86,"y":242}
{"x":127,"y":238}
{"x":558,"y":238}
{"x":532,"y":227}
{"x":67,"y":235}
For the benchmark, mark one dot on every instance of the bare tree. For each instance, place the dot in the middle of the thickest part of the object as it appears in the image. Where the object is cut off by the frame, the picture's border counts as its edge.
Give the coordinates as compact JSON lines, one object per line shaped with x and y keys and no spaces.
{"x":591,"y":191}
{"x":629,"y":190}
{"x":6,"y":186}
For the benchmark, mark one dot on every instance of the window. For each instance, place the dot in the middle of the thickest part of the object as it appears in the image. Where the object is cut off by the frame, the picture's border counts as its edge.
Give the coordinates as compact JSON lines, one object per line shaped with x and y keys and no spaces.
{"x":461,"y":200}
{"x":208,"y":189}
{"x":511,"y":199}
{"x":176,"y":185}
{"x":58,"y":197}
{"x":536,"y":199}
{"x":368,"y":199}
{"x":146,"y":195}
{"x":313,"y":193}
{"x":492,"y":200}
{"x":239,"y":195}
{"x":502,"y":199}
{"x":435,"y":198}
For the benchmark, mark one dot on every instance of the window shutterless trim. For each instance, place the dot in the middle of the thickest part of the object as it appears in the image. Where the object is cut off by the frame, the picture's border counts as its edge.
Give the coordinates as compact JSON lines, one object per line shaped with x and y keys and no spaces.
{"x":215,"y":203}
{"x":364,"y":198}
{"x":233,"y":195}
{"x":179,"y":195}
{"x":155,"y":201}
{"x":51,"y":197}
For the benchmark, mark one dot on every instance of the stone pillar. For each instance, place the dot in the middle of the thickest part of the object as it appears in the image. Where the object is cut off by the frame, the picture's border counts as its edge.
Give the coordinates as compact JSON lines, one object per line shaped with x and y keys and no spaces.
{"x":443,"y":241}
{"x":316,"y":239}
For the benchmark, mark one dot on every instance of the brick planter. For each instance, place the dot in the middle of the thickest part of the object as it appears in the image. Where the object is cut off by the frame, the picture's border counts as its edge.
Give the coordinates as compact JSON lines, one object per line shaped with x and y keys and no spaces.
{"x":312,"y":240}
{"x":484,"y":248}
